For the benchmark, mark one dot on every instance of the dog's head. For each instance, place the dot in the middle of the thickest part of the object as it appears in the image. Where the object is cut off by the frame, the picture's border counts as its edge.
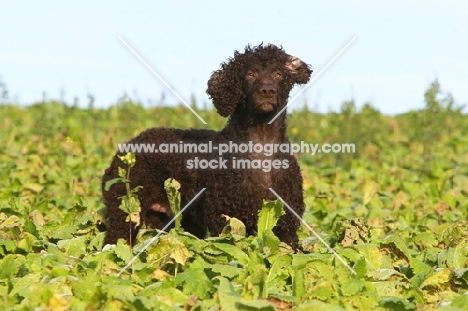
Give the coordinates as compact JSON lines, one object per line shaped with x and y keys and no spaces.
{"x":258,"y":80}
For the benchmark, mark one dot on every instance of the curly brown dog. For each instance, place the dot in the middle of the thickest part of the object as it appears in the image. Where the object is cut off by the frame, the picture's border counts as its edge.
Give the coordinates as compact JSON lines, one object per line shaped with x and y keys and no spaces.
{"x":250,"y":89}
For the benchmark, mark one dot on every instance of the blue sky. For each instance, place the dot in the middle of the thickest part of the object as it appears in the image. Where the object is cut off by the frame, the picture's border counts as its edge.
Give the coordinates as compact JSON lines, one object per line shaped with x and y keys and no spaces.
{"x":70,"y":49}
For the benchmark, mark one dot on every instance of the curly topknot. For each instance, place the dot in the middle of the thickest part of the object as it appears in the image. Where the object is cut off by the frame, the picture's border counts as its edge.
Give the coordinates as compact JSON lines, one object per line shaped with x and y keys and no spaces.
{"x":225,"y":86}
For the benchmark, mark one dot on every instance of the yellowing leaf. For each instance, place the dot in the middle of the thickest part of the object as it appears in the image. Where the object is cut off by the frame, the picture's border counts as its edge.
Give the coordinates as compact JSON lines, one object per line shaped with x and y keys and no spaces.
{"x":370,"y":189}
{"x":180,"y":254}
{"x":234,"y":226}
{"x":58,"y":303}
{"x":160,"y":274}
{"x":134,"y":218}
{"x":10,"y":222}
{"x":372,"y":255}
{"x":34,"y":187}
{"x":437,"y":279}
{"x":37,"y":217}
{"x":172,"y":188}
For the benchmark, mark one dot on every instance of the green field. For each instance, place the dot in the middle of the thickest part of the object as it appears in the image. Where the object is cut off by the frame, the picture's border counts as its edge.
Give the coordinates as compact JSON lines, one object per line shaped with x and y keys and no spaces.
{"x":396,"y":211}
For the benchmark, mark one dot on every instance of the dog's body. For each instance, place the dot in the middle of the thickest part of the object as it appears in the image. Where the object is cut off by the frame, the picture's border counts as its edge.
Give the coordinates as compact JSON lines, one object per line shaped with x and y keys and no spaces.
{"x":251,"y":89}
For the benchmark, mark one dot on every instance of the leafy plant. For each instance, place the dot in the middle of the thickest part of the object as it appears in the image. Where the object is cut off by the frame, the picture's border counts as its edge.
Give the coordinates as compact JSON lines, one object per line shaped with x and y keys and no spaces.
{"x":130,"y":203}
{"x":172,"y":187}
{"x":396,"y":211}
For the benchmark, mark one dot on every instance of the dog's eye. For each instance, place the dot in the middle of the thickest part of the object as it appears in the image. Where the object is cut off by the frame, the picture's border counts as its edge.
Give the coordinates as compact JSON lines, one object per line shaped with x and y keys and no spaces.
{"x":277,"y":75}
{"x":250,"y":75}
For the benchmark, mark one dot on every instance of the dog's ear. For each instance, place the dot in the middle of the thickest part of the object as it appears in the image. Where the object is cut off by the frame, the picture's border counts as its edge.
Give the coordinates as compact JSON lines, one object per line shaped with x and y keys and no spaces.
{"x":224,"y":88}
{"x":300,"y":71}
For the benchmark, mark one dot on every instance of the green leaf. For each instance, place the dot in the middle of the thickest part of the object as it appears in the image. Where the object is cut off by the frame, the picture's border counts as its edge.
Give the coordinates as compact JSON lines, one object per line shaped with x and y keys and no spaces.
{"x":131,"y":206}
{"x":351,"y":287}
{"x":40,"y":293}
{"x":88,"y":286}
{"x":195,"y":280}
{"x":22,"y":286}
{"x":114,"y":181}
{"x":26,"y":241}
{"x":350,"y":253}
{"x":261,"y":305}
{"x":399,"y":244}
{"x":456,"y":257}
{"x":426,"y":239}
{"x":226,"y":295}
{"x":395,"y":303}
{"x":118,"y":291}
{"x":318,"y":305}
{"x":278,"y":275}
{"x":461,"y":302}
{"x":255,"y":284}
{"x":62,"y":233}
{"x":384,"y":274}
{"x":419,"y":266}
{"x":135,"y":206}
{"x":224,"y":270}
{"x":269,"y":215}
{"x":298,"y":287}
{"x":461,"y":274}
{"x":270,"y":240}
{"x":170,"y":296}
{"x":390,"y":288}
{"x":123,"y":251}
{"x":233,"y":251}
{"x":74,"y":247}
{"x":10,"y":265}
{"x":8,"y":245}
{"x":230,"y":300}
{"x":361,"y":267}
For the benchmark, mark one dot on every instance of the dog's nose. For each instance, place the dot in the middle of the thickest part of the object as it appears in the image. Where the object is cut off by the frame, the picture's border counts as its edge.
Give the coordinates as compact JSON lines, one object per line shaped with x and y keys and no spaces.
{"x":268,"y":90}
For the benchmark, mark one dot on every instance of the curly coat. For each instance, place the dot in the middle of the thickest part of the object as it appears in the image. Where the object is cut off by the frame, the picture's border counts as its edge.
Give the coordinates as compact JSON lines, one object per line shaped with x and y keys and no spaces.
{"x":250,"y":89}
